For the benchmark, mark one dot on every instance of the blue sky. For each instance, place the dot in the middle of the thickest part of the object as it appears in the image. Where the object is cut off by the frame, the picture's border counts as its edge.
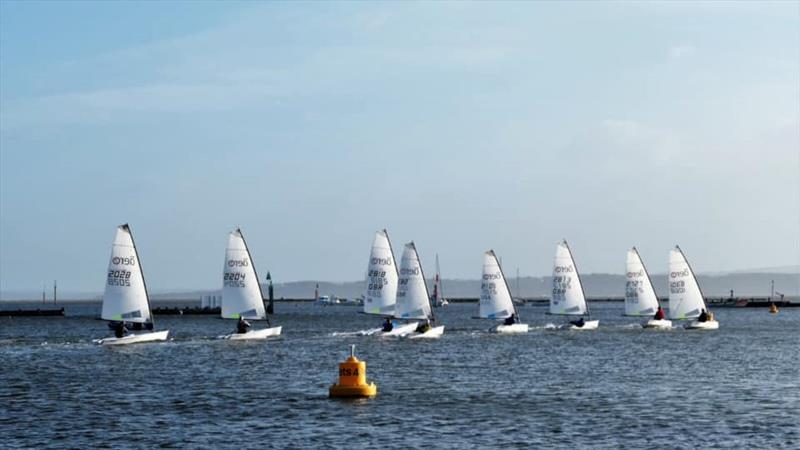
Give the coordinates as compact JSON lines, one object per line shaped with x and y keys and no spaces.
{"x":463,"y":126}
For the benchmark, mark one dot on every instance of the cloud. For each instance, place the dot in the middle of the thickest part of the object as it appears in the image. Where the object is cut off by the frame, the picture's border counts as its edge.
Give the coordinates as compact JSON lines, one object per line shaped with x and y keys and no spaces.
{"x":681,"y":51}
{"x":612,"y":144}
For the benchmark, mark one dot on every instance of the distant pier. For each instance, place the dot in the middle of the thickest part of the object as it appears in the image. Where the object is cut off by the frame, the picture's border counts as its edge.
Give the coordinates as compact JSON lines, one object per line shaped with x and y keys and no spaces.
{"x":38,"y":312}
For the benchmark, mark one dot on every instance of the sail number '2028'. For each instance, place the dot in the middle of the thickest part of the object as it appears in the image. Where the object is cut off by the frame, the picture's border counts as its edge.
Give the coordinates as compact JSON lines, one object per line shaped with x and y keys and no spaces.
{"x":119,"y":278}
{"x":234,"y":279}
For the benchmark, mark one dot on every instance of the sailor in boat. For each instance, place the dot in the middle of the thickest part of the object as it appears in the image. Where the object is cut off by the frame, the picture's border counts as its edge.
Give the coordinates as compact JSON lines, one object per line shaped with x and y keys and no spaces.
{"x":659,"y":314}
{"x":424,"y":327}
{"x":119,"y":329}
{"x":703,"y":317}
{"x":137,"y":326}
{"x":387,"y":325}
{"x":242,"y":326}
{"x":510,"y":320}
{"x":578,"y":323}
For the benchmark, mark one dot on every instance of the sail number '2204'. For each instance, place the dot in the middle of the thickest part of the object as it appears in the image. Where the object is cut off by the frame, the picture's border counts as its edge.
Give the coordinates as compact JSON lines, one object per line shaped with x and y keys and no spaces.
{"x":234,"y":279}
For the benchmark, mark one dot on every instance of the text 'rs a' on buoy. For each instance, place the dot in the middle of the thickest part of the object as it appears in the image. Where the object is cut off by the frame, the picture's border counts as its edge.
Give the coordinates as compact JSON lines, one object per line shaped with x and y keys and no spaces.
{"x":353,"y":379}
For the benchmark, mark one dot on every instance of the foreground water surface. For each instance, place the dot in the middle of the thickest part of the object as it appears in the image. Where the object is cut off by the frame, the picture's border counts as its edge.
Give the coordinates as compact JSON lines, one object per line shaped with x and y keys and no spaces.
{"x":618,"y":386}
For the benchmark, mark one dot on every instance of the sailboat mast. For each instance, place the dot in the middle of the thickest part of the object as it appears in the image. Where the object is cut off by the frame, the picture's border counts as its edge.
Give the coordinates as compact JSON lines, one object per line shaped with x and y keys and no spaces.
{"x":258,"y":283}
{"x":702,"y":296}
{"x":505,"y":281}
{"x":577,"y":274}
{"x":424,"y":281}
{"x":652,"y":286}
{"x":391,"y":250}
{"x":127,"y":229}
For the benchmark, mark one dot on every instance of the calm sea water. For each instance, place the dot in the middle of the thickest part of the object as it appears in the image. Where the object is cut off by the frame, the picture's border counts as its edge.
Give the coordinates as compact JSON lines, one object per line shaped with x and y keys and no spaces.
{"x":619,"y":386}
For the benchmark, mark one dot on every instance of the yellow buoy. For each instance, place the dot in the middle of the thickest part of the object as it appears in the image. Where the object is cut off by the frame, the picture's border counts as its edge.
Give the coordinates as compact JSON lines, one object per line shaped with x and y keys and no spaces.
{"x":773,"y":309}
{"x":353,"y":379}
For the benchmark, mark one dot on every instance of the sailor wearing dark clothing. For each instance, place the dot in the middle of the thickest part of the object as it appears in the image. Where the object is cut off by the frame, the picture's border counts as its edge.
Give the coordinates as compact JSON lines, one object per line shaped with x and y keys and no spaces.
{"x":387,"y":326}
{"x":242,"y":326}
{"x":119,"y":329}
{"x":148,"y":326}
{"x":659,"y":314}
{"x":703,"y":316}
{"x":579,"y":323}
{"x":510,"y":320}
{"x":423,"y":327}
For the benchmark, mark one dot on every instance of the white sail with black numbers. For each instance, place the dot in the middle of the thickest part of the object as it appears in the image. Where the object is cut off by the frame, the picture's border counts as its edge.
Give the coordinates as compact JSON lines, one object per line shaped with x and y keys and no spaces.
{"x":125,"y":296}
{"x":495,"y":301}
{"x":640,"y":297}
{"x":241,"y":291}
{"x":381,"y":289}
{"x":567,"y":296}
{"x":412,"y":290}
{"x":685,"y":299}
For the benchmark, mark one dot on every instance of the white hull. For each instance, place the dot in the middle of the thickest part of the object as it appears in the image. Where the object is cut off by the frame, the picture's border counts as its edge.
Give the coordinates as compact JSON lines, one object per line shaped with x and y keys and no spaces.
{"x":254,"y":334}
{"x":587,"y":325}
{"x":660,"y":324}
{"x":400,"y":330}
{"x":155,"y":336}
{"x":510,"y":329}
{"x":707,"y":325}
{"x":433,"y":333}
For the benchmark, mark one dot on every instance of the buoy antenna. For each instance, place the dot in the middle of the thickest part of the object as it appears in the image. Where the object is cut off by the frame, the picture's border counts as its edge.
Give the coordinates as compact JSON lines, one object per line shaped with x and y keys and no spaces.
{"x":352,"y":350}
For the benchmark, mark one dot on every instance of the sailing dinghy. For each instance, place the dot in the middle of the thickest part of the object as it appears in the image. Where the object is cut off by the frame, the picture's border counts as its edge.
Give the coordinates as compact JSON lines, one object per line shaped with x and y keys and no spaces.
{"x":437,"y":298}
{"x":686,"y":301}
{"x":413,"y":301}
{"x":568,"y":298}
{"x":241,"y":292}
{"x":495,"y":302}
{"x":640,"y":297}
{"x":125,"y":299}
{"x":381,"y":292}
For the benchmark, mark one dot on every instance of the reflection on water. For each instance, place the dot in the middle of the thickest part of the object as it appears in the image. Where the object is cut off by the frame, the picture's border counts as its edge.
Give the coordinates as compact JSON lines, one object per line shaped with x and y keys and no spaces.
{"x":736,"y":387}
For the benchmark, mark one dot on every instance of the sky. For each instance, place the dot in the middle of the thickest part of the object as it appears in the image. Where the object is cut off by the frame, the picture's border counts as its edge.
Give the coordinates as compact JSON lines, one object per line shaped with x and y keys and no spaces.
{"x":462,"y":126}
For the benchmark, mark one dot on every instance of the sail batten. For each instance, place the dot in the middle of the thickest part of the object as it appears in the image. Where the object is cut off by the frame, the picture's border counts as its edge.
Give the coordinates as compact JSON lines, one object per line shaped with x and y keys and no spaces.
{"x":412,"y":290}
{"x":241,"y":291}
{"x":640,"y":297}
{"x":125,"y":296}
{"x":495,"y":301}
{"x":685,"y":298}
{"x":382,"y":275}
{"x":567,"y":297}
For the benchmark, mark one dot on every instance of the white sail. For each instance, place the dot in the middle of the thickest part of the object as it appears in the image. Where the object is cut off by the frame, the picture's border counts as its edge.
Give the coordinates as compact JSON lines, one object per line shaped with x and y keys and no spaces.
{"x":125,"y":296}
{"x":495,"y":301}
{"x":241,"y":292}
{"x":640,"y":297}
{"x":567,"y":297}
{"x":412,"y":290}
{"x":685,"y":299}
{"x":381,"y":291}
